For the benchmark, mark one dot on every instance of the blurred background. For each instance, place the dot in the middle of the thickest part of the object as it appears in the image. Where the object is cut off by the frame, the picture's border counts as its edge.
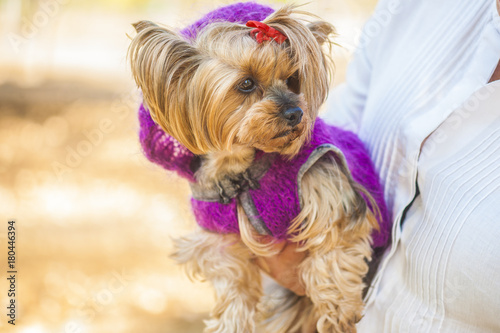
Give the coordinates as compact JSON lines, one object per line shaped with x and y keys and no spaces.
{"x":94,"y":218}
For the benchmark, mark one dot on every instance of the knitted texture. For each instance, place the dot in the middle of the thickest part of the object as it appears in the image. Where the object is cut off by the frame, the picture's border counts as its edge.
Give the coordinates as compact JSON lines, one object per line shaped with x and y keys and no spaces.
{"x":236,"y":13}
{"x":277,"y":199}
{"x":162,"y":149}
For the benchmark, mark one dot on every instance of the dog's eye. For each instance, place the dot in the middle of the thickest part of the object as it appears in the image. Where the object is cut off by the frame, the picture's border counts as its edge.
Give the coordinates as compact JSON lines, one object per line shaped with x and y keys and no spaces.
{"x":293,"y":83}
{"x":248,"y":85}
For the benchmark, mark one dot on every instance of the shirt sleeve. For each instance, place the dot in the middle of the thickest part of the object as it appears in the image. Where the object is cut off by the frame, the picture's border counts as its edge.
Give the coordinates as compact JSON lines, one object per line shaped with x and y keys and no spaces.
{"x":346,"y":103}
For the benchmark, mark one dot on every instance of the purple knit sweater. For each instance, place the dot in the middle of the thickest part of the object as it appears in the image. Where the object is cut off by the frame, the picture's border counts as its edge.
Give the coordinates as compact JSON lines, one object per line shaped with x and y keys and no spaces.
{"x":277,"y":200}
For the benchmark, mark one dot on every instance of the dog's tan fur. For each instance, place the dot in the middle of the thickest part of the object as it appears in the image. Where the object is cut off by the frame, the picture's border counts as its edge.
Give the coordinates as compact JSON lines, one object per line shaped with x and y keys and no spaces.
{"x":191,"y":91}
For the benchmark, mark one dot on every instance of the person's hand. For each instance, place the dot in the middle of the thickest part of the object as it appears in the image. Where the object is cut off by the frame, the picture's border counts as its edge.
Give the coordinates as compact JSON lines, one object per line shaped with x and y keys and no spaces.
{"x":283,"y":267}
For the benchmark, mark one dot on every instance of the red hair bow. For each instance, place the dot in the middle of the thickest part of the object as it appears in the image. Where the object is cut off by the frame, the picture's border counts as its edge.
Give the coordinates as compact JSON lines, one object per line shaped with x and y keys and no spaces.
{"x":264,"y":32}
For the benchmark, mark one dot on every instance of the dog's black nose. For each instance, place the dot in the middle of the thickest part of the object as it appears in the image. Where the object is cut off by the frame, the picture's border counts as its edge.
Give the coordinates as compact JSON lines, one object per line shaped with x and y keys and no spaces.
{"x":293,"y":116}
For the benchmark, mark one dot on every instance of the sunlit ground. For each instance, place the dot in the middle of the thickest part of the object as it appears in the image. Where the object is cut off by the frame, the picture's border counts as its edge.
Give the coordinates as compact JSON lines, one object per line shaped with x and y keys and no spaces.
{"x":94,"y":218}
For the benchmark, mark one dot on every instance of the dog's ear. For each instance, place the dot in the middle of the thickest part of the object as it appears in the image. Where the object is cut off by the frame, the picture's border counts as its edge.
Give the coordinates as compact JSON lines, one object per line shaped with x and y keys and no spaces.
{"x":162,"y":65}
{"x":322,"y":31}
{"x":157,"y":50}
{"x":141,"y":25}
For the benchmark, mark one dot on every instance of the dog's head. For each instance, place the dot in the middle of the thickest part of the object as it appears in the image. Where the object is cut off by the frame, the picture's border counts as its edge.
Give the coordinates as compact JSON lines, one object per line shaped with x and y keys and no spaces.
{"x":226,"y":87}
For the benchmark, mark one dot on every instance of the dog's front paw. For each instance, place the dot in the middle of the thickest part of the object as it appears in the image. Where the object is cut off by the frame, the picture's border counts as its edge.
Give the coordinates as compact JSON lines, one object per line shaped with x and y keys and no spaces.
{"x":232,"y":185}
{"x":229,"y":187}
{"x":250,"y":181}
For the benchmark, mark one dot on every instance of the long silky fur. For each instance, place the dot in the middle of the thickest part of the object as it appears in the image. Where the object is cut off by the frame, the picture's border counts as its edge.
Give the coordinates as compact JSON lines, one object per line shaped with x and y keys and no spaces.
{"x":282,"y":311}
{"x":332,"y":272}
{"x":190,"y":88}
{"x":337,"y":262}
{"x":228,"y":265}
{"x":337,"y":240}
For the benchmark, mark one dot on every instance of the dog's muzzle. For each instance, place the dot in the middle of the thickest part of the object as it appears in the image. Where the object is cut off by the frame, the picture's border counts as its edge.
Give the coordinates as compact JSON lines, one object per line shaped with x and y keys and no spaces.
{"x":293,"y":116}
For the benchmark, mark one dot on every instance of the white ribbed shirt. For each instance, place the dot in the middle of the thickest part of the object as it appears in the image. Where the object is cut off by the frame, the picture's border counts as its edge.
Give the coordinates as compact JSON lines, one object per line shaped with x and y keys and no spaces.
{"x":417,"y":94}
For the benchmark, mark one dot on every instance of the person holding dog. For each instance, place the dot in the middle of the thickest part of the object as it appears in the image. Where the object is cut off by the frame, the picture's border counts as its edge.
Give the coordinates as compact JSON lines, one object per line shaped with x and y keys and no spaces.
{"x":423,"y":94}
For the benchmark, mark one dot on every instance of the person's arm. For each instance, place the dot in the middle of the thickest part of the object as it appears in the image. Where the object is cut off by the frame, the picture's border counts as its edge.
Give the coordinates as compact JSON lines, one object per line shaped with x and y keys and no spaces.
{"x":346,"y":103}
{"x":344,"y":108}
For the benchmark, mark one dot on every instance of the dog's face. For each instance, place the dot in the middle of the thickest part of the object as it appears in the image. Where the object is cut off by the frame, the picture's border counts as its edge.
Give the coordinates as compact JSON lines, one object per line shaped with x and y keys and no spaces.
{"x":224,"y":88}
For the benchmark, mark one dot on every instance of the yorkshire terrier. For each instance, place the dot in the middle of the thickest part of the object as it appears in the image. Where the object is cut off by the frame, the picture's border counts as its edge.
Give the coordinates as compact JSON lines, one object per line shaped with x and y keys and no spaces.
{"x":231,"y":103}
